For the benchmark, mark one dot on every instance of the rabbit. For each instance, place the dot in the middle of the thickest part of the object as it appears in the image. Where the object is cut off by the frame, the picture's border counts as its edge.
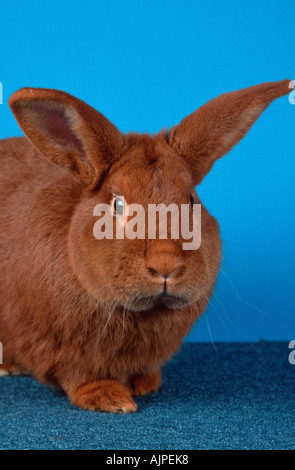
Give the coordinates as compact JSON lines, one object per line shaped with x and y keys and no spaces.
{"x":99,"y":318}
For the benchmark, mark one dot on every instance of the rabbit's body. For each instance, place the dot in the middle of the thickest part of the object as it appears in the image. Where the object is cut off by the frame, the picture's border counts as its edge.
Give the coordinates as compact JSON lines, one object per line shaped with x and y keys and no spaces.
{"x":99,"y":317}
{"x":50,"y":325}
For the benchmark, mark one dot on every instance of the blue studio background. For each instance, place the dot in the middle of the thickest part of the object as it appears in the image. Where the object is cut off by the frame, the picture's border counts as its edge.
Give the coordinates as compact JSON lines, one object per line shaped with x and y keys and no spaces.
{"x":146,"y":65}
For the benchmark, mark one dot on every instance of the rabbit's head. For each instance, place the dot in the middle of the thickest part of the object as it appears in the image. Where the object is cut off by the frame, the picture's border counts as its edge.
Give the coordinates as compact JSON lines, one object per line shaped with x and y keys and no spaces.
{"x":115,"y":171}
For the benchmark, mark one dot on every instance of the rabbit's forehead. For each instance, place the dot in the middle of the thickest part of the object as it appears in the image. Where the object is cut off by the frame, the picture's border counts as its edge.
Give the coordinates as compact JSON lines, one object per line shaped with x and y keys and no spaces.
{"x":162,"y":180}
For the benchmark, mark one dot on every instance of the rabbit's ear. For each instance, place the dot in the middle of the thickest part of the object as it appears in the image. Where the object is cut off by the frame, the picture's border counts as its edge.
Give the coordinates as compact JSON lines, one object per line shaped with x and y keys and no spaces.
{"x":212,"y":130}
{"x":67,"y":131}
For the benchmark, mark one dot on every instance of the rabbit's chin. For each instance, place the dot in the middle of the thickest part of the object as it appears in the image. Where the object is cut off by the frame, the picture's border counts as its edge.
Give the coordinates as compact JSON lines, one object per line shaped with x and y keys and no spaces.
{"x":159,"y":302}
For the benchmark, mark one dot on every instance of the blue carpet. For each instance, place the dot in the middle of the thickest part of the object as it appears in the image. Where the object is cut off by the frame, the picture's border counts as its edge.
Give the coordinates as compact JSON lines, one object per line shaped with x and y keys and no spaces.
{"x":238,"y":397}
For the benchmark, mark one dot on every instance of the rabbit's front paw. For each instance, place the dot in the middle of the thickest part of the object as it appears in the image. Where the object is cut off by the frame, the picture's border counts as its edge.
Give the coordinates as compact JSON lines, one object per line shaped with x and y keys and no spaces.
{"x":104,"y":395}
{"x":142,"y":384}
{"x":8,"y":369}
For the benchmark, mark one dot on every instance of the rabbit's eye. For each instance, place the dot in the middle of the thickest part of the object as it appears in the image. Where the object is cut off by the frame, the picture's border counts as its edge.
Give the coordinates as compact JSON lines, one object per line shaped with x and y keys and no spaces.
{"x":192,"y":200}
{"x":118,"y":204}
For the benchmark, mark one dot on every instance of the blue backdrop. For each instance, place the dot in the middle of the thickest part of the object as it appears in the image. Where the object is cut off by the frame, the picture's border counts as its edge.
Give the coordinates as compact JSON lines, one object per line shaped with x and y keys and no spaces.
{"x":147,"y":64}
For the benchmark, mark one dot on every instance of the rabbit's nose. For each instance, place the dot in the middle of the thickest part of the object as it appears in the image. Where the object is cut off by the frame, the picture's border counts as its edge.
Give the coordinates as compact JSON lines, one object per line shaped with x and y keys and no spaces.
{"x":164,"y":268}
{"x":155,"y":273}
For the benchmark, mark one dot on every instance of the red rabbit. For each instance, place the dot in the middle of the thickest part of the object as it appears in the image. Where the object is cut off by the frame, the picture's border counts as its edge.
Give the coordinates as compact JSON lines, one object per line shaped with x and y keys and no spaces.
{"x":100,"y":317}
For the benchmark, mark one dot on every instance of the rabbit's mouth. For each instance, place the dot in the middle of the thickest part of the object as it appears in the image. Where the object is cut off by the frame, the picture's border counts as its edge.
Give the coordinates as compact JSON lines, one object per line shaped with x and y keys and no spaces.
{"x":159,"y":302}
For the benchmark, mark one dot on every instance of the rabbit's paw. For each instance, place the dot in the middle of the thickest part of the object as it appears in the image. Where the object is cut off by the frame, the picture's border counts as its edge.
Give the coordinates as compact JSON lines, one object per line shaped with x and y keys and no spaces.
{"x":104,"y":395}
{"x":142,"y":384}
{"x":8,"y":370}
